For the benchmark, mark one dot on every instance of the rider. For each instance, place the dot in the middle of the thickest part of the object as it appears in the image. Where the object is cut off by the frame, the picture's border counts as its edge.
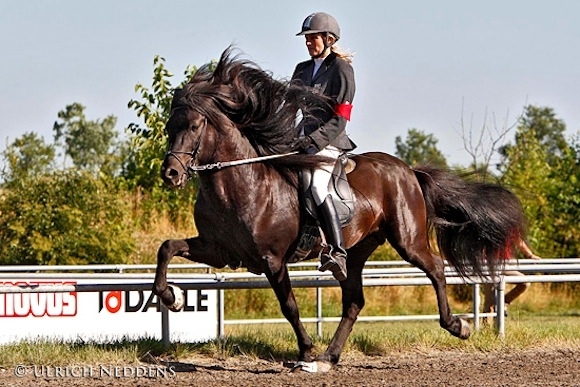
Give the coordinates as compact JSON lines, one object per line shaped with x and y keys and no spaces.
{"x":330,"y":73}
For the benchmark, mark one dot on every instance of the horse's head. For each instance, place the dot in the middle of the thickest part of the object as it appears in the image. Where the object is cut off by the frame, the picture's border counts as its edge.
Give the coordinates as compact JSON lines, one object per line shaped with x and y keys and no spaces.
{"x":186,"y":129}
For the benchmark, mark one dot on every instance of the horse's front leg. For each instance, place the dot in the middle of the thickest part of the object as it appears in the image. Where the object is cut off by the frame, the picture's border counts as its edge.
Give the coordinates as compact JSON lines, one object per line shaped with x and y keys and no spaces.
{"x":166,"y":252}
{"x":193,"y":249}
{"x":353,"y":301}
{"x":283,"y":290}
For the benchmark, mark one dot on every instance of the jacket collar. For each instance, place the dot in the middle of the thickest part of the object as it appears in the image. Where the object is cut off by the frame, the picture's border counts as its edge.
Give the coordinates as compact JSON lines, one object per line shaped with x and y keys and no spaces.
{"x":324,"y":66}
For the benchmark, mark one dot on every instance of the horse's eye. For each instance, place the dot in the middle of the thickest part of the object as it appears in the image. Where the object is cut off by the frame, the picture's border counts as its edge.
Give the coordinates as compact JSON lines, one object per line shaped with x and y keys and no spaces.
{"x":194,"y":127}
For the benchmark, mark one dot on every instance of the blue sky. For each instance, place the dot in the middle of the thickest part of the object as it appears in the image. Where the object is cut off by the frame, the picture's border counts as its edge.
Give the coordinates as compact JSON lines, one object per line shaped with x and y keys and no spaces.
{"x":418,"y":64}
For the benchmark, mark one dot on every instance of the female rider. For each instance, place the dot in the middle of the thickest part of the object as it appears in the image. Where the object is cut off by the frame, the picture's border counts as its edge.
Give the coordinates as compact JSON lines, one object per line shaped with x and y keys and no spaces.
{"x":330,"y":73}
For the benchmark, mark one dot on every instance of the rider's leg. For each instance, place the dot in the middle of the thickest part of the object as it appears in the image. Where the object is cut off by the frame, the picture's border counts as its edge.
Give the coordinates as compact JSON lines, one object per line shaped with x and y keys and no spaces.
{"x":335,"y":260}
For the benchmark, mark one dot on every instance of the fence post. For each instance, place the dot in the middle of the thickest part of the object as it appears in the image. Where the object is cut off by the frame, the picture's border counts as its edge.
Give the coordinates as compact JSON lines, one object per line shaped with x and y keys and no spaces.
{"x":221,"y":310}
{"x":165,"y":334}
{"x":319,"y":311}
{"x":500,"y":307}
{"x":476,"y":303}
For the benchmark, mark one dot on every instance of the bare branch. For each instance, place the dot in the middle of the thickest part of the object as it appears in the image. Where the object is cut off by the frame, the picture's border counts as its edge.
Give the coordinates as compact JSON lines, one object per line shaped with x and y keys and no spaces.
{"x":483,"y":144}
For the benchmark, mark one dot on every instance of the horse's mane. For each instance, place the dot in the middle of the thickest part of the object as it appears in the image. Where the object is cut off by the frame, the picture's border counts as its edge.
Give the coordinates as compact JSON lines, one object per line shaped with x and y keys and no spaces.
{"x":264,"y":109}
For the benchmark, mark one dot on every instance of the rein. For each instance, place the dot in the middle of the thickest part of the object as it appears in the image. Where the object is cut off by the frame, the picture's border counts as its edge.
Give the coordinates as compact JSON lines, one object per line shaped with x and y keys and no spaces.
{"x":225,"y":164}
{"x":191,"y":168}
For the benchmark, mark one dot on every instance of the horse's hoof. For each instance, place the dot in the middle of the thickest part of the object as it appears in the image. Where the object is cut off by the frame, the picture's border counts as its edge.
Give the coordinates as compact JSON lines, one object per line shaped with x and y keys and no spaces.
{"x":312,"y":366}
{"x":465,"y":330}
{"x":179,"y":297}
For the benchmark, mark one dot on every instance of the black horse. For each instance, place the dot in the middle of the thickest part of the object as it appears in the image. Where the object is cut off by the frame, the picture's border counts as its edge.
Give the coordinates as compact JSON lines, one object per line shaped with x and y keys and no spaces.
{"x":249,"y":214}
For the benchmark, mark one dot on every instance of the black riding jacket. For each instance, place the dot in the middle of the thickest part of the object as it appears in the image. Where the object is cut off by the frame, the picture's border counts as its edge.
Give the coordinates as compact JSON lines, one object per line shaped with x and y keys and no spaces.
{"x":335,"y":79}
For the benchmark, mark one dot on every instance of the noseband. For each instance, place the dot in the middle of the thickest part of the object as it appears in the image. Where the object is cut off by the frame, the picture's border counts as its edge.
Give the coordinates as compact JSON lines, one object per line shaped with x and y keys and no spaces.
{"x":189,"y":167}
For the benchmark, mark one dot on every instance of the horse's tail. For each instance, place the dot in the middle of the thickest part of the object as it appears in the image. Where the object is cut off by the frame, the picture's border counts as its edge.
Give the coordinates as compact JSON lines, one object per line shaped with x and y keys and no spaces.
{"x":477,"y":225}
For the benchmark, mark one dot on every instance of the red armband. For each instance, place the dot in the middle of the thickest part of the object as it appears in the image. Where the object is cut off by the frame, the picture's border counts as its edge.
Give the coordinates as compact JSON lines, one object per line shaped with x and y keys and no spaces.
{"x":343,"y":110}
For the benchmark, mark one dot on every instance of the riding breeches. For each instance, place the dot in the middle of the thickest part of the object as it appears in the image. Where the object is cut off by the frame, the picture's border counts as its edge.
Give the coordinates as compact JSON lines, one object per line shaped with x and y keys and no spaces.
{"x":321,"y":176}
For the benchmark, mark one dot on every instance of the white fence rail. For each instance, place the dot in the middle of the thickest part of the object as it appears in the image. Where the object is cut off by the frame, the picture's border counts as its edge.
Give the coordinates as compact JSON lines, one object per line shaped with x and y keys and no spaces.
{"x":376,"y":273}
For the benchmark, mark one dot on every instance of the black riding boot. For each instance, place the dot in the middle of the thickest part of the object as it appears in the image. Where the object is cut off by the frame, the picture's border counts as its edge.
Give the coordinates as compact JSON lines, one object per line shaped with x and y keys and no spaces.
{"x":335,"y":259}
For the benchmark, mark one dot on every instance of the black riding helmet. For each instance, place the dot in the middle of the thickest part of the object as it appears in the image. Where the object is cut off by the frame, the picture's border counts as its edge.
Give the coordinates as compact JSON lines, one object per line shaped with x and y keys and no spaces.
{"x":321,"y":22}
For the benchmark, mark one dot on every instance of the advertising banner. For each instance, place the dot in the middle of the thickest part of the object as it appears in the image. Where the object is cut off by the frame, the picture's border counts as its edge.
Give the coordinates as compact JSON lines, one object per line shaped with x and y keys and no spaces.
{"x":103,"y":316}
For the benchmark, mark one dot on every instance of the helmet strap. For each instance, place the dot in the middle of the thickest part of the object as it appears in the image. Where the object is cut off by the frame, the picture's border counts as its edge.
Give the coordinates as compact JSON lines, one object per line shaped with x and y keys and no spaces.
{"x":326,"y":46}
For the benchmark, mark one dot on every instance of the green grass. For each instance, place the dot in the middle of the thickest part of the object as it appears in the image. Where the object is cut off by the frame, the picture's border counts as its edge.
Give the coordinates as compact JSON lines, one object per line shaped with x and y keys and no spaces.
{"x":544,"y":316}
{"x":367,"y":339}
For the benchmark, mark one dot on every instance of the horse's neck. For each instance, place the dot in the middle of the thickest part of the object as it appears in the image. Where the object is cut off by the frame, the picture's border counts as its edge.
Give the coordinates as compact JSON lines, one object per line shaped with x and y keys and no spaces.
{"x":241,"y":185}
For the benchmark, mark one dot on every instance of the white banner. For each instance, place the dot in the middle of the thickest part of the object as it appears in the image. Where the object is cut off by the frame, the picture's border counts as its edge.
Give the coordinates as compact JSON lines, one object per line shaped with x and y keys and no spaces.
{"x":103,"y":316}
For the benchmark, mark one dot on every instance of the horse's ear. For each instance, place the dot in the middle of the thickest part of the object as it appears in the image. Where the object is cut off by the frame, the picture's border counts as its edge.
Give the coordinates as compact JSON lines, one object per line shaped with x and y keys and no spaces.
{"x":177,"y":94}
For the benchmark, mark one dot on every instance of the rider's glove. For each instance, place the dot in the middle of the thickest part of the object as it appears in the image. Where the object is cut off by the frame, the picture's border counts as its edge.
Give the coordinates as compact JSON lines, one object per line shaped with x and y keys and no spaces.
{"x":302,"y":143}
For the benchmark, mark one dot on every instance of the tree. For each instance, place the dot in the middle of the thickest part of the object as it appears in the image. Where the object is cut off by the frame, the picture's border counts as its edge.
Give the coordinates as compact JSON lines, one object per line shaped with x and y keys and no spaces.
{"x":148,"y":142}
{"x":148,"y":145}
{"x":546,"y":181}
{"x":546,"y":128}
{"x":482,"y":144}
{"x":528,"y":175}
{"x":27,"y":156}
{"x":564,"y":196}
{"x":88,"y":143}
{"x":419,"y":147}
{"x":68,"y":217}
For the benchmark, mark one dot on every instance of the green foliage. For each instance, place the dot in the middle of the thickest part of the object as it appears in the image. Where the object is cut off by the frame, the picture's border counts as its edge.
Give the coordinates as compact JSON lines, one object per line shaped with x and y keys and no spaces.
{"x":547,"y":128}
{"x":64,"y":218}
{"x":542,"y":124}
{"x":385,"y":252}
{"x":87,"y":143}
{"x":28,"y":156}
{"x":544,"y":173}
{"x":419,"y":148}
{"x":149,"y":144}
{"x":564,"y":196}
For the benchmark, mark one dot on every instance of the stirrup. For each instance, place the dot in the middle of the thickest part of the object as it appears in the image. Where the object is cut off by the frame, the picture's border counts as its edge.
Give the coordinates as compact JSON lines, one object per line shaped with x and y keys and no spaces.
{"x":336,"y":264}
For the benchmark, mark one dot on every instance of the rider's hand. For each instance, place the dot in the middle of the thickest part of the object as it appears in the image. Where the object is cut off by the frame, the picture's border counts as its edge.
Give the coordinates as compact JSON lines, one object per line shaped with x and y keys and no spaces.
{"x":302,"y":143}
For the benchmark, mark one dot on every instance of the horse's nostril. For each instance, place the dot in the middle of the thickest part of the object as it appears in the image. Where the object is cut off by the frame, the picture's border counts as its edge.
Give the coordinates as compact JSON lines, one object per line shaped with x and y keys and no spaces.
{"x":171,"y":173}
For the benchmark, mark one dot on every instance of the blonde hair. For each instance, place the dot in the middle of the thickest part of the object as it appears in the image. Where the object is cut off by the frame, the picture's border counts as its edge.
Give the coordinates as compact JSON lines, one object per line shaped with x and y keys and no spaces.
{"x":339,"y":51}
{"x":342,"y":53}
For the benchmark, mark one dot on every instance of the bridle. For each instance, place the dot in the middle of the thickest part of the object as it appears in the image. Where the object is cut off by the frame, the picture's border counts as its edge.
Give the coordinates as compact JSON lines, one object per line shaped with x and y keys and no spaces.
{"x":192,"y":154}
{"x":191,"y":168}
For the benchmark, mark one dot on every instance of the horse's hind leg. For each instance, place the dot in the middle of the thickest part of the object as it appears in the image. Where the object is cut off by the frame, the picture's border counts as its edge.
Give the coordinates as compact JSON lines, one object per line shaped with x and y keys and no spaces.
{"x":434,"y":268}
{"x":410,"y":241}
{"x":283,"y":290}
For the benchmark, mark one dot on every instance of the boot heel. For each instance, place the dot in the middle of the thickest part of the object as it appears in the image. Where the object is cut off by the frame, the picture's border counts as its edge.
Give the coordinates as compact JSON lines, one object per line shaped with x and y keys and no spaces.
{"x":334,"y":268}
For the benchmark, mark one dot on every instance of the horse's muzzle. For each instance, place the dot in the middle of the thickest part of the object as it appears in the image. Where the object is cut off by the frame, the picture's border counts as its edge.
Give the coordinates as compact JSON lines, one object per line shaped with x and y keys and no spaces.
{"x":173,"y":177}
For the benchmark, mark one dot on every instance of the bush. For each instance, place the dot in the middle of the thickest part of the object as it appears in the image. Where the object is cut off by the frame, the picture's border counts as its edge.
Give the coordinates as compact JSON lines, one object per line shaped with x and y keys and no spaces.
{"x":64,"y":218}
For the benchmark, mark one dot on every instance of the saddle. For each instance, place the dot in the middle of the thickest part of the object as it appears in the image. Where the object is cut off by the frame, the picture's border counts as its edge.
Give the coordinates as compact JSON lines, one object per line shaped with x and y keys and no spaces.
{"x":341,"y":195}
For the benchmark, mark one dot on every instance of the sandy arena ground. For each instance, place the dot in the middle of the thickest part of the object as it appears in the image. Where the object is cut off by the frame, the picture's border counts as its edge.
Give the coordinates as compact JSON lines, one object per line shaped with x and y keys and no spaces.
{"x":519,"y":368}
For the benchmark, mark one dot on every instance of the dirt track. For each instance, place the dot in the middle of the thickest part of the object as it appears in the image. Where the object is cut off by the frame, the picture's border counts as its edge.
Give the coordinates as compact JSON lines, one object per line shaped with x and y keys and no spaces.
{"x":522,"y":368}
